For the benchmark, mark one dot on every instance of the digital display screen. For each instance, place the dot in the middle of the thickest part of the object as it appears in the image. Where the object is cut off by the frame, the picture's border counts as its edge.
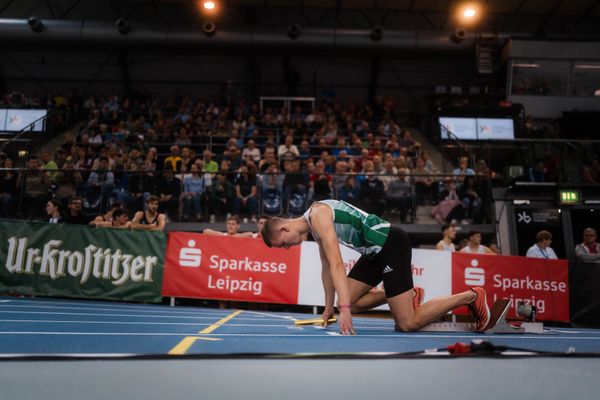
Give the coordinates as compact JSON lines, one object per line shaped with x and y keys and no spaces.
{"x":462,"y":128}
{"x":495,"y":129}
{"x":567,"y":197}
{"x":477,"y":128}
{"x":14,"y":120}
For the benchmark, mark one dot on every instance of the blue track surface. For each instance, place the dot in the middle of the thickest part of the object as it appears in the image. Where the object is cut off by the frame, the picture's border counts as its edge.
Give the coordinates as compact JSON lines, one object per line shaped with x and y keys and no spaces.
{"x":50,"y":326}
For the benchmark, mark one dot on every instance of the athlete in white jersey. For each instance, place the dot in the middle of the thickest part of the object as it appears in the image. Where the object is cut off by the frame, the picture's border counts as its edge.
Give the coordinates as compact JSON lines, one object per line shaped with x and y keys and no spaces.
{"x":449,"y":233}
{"x":475,"y":246}
{"x":386,"y":256}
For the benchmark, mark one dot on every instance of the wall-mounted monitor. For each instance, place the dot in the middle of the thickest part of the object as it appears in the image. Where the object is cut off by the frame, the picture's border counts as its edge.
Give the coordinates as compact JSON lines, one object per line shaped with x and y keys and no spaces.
{"x":15,"y":119}
{"x":471,"y":128}
{"x":462,"y":128}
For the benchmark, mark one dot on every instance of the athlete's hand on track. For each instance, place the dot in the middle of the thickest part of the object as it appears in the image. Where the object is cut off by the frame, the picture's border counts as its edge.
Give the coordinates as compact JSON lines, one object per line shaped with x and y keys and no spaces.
{"x":328,"y":313}
{"x":345,"y":321}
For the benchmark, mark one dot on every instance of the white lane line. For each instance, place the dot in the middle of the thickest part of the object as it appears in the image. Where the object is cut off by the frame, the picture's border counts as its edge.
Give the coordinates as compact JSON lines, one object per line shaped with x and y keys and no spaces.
{"x":121,"y":315}
{"x":4,"y":301}
{"x":47,"y":321}
{"x":204,"y":311}
{"x":392,"y":335}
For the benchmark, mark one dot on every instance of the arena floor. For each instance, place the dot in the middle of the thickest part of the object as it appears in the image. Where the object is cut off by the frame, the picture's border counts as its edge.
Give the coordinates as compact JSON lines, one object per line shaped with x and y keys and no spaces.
{"x":73,"y":348}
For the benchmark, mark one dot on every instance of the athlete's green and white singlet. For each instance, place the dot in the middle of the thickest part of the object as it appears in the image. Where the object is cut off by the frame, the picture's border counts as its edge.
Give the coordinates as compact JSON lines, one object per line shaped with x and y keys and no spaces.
{"x":365,"y":233}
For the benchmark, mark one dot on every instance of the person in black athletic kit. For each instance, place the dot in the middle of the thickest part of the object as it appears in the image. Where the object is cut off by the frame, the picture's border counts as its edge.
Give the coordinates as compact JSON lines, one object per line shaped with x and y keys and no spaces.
{"x":150,"y":220}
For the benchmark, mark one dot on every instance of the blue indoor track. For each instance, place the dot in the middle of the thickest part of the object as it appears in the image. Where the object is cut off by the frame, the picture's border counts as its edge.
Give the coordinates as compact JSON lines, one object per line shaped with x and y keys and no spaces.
{"x":51,"y":326}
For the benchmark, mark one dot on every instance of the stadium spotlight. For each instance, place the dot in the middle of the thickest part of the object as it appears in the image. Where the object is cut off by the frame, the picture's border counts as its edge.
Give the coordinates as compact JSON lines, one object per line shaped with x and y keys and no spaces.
{"x":458,"y":36}
{"x":209,"y":28}
{"x":293,"y":31}
{"x":469,"y":13}
{"x":376,"y":33}
{"x":208,"y":6}
{"x":35,"y":24}
{"x":123,"y":26}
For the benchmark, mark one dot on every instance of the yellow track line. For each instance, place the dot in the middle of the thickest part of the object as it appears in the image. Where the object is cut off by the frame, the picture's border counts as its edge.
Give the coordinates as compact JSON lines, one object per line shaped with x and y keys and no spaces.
{"x":187,"y":342}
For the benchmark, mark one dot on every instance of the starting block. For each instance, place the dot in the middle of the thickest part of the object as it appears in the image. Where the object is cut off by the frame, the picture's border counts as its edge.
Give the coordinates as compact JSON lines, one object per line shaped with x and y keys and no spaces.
{"x":314,"y":321}
{"x":498,"y":323}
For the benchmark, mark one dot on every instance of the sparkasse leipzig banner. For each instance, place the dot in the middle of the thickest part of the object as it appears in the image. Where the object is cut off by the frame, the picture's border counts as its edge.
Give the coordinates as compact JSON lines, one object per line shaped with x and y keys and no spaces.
{"x":38,"y":258}
{"x":230,"y":268}
{"x":537,"y":281}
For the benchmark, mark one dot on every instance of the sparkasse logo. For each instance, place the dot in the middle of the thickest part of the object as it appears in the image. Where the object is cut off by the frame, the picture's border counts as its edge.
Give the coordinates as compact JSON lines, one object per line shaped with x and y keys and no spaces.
{"x":474,"y":276}
{"x":190,"y":256}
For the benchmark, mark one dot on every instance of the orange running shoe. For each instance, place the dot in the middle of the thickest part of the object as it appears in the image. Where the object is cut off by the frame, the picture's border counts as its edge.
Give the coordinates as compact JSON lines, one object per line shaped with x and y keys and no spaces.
{"x":479,"y":308}
{"x":418,"y":297}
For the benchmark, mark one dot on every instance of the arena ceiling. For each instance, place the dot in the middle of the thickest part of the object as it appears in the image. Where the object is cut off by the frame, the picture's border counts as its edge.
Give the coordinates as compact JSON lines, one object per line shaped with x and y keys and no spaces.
{"x":525,"y":17}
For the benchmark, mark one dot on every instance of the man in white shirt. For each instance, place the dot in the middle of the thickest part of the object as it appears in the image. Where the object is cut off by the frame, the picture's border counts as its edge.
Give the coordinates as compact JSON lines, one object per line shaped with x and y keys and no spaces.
{"x":288,"y":148}
{"x":542,"y":249}
{"x":475,"y":246}
{"x":446,"y":244}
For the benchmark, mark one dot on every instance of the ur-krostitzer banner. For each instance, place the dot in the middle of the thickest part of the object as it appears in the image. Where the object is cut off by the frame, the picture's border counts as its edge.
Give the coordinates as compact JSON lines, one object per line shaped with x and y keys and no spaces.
{"x":229,"y":268}
{"x":78,"y":261}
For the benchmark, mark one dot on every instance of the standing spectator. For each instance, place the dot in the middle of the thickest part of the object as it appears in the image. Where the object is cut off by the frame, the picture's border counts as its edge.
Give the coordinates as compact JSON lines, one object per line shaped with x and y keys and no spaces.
{"x":108,"y":216}
{"x":101,"y":180}
{"x":220,"y":197}
{"x":245,"y":193}
{"x":35,"y":185}
{"x":371,"y":193}
{"x":232,"y":225}
{"x":589,"y":249}
{"x":151,"y":219}
{"x":541,"y":248}
{"x":53,"y":211}
{"x":399,"y":194}
{"x":475,"y":246}
{"x":193,"y":188}
{"x":320,"y":183}
{"x":74,"y":214}
{"x":169,"y":191}
{"x":449,"y":234}
{"x":8,"y":190}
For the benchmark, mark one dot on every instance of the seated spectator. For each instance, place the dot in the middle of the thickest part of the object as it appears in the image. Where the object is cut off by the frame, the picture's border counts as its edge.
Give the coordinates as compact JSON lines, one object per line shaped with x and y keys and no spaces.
{"x":475,"y":246}
{"x":470,"y":199}
{"x":232,"y":225}
{"x":151,"y":219}
{"x":208,"y":164}
{"x":537,"y":172}
{"x":173,"y":161}
{"x":34,"y":183}
{"x":192,"y":195}
{"x":449,"y":234}
{"x":463,"y":169}
{"x":134,"y":197}
{"x":388,"y":174}
{"x":48,"y":165}
{"x":245,"y":193}
{"x":371,"y":195}
{"x":74,"y":215}
{"x":53,"y":211}
{"x":169,"y":191}
{"x":118,"y":220}
{"x":589,"y":249}
{"x":288,"y":148}
{"x":68,"y":181}
{"x":294,"y":181}
{"x":108,"y":216}
{"x":541,"y":248}
{"x":8,"y":190}
{"x":450,"y":210}
{"x":305,"y":150}
{"x":272,"y":180}
{"x":399,"y":195}
{"x":349,"y":191}
{"x":320,"y":183}
{"x":220,"y":197}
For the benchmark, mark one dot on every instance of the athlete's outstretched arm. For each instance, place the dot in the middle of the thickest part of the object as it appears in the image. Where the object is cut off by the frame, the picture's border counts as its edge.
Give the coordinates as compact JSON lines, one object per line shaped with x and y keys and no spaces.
{"x":322,"y":222}
{"x":327,"y":286}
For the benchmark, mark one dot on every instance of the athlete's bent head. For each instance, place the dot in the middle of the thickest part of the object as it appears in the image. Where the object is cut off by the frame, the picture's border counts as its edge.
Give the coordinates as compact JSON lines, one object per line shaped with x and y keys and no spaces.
{"x":279,"y":232}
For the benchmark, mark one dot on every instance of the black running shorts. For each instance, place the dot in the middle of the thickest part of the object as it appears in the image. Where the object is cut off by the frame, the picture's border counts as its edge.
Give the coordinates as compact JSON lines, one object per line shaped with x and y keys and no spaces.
{"x":392,"y":265}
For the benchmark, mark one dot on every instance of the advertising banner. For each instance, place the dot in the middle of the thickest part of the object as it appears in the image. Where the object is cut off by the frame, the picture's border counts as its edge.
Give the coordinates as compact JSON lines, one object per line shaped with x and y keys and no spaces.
{"x":229,"y":268}
{"x":540,"y":282}
{"x":78,"y":261}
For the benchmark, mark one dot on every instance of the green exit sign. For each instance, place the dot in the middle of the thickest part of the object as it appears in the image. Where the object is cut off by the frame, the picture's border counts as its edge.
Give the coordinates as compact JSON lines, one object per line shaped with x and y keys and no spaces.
{"x":569,"y":197}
